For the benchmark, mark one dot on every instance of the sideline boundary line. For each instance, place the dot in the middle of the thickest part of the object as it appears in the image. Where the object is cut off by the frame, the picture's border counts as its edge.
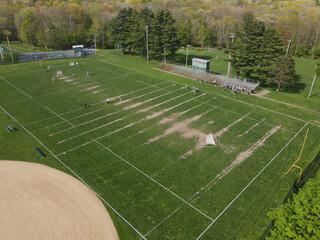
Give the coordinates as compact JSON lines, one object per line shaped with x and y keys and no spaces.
{"x":250,"y":182}
{"x":16,"y":87}
{"x":146,"y":175}
{"x":74,"y":173}
{"x":59,"y":116}
{"x":219,"y":94}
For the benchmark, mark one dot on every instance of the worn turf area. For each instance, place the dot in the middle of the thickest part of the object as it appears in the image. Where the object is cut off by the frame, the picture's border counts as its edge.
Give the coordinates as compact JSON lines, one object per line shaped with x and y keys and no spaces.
{"x":144,"y":155}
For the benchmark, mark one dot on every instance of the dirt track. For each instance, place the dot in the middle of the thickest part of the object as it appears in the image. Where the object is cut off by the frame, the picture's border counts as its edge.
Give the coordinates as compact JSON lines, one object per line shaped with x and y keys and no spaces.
{"x":39,"y":202}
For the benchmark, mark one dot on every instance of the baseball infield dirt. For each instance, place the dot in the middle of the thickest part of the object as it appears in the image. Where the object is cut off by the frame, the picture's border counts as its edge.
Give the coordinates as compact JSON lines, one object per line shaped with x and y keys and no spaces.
{"x":39,"y":202}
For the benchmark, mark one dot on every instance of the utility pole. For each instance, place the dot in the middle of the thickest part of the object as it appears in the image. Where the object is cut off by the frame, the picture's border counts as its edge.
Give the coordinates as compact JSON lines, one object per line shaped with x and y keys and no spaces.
{"x":289,"y":41}
{"x":147,"y":44}
{"x":95,"y":44}
{"x":314,"y":79}
{"x":30,"y":53}
{"x":10,"y":49}
{"x":187,"y":55}
{"x":1,"y":54}
{"x":229,"y":65}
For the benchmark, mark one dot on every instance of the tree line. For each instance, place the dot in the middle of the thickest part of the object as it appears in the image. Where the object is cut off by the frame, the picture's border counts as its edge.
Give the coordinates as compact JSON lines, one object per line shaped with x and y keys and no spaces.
{"x":60,"y":23}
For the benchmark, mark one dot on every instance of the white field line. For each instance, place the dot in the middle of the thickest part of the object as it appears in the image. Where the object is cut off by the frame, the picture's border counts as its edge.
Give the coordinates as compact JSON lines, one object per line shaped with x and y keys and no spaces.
{"x":84,"y":123}
{"x":75,"y":174}
{"x":77,"y":109}
{"x":101,"y":117}
{"x":24,"y":72}
{"x":120,"y":129}
{"x":45,"y":95}
{"x":251,"y":182}
{"x":74,"y":118}
{"x":146,"y":175}
{"x":149,"y":100}
{"x":221,"y":95}
{"x":59,"y":116}
{"x":84,"y":144}
{"x":16,"y":87}
{"x":157,"y":105}
{"x":91,"y":130}
{"x":139,"y":96}
{"x":163,"y":220}
{"x":108,"y":71}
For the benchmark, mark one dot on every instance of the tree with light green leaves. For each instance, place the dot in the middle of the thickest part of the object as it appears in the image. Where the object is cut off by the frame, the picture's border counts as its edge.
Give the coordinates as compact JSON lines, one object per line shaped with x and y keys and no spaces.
{"x":299,"y":218}
{"x":282,"y":73}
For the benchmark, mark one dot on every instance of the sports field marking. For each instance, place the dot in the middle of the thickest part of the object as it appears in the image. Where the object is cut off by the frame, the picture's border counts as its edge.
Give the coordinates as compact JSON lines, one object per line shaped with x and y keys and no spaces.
{"x":139,"y":96}
{"x":84,"y":123}
{"x":16,"y":87}
{"x":250,"y":182}
{"x":91,"y":130}
{"x":146,"y":175}
{"x":81,"y":108}
{"x":166,"y":80}
{"x":118,"y":130}
{"x":59,"y":116}
{"x":171,"y":99}
{"x":103,"y":69}
{"x":75,"y":174}
{"x":82,"y":115}
{"x":134,"y":105}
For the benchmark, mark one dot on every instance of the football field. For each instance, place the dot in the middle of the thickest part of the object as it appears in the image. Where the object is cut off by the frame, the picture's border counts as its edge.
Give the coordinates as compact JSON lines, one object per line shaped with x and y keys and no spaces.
{"x":145,"y":156}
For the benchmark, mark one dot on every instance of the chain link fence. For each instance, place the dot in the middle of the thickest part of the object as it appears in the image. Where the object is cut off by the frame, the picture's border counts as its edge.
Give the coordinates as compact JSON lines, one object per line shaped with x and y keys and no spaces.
{"x":28,"y":57}
{"x":208,"y":77}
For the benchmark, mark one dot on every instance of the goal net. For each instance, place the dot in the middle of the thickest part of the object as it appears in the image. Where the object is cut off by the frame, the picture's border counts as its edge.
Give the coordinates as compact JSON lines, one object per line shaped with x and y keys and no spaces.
{"x":210,"y":140}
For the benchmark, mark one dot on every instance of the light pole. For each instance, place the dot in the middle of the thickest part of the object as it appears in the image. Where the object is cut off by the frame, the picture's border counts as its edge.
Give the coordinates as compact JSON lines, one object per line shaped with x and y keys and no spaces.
{"x":229,"y":65}
{"x":289,"y":41}
{"x":314,"y":79}
{"x":187,"y":55}
{"x":147,"y":44}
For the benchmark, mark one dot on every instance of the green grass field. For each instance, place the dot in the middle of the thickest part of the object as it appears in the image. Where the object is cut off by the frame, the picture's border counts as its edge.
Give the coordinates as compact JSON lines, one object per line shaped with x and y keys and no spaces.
{"x":143,"y":156}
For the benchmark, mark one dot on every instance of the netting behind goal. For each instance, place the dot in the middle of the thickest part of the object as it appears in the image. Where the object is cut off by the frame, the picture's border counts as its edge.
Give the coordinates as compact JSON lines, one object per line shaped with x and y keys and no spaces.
{"x":28,"y":57}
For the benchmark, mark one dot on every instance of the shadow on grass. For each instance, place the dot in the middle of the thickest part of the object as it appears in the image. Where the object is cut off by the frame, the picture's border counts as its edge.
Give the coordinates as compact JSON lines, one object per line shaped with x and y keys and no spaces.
{"x":297,"y":87}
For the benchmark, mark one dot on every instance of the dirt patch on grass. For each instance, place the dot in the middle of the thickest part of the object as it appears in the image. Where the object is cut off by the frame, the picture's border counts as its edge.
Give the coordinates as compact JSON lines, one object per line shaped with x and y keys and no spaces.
{"x":97,"y":91}
{"x":63,"y":78}
{"x":165,"y":120}
{"x":247,"y":153}
{"x":91,"y":88}
{"x":211,"y":122}
{"x":39,"y":202}
{"x":68,"y":80}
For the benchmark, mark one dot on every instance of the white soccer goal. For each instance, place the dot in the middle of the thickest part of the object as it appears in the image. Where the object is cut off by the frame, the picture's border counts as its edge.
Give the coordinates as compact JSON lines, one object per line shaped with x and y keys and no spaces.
{"x":71,"y":64}
{"x":59,"y":73}
{"x":210,"y":140}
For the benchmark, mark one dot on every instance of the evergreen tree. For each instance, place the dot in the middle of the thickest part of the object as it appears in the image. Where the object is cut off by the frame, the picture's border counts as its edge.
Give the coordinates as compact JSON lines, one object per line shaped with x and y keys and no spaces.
{"x":120,"y":28}
{"x":247,"y":50}
{"x":139,"y":22}
{"x":282,"y":72}
{"x":299,"y":218}
{"x":163,"y":35}
{"x":271,"y":49}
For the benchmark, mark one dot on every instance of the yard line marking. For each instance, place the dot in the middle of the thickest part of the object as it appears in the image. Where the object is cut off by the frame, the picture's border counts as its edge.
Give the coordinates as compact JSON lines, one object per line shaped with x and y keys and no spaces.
{"x":146,"y":175}
{"x":221,"y":95}
{"x":163,"y":220}
{"x":84,"y":123}
{"x":75,"y":174}
{"x":84,"y":144}
{"x":59,"y":116}
{"x":16,"y":87}
{"x":91,"y":130}
{"x":74,"y":118}
{"x":251,"y":182}
{"x":118,"y":130}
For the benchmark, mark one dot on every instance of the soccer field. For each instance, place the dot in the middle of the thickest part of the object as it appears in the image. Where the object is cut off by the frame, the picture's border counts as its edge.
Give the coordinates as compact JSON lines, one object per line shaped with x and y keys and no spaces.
{"x":145,"y":156}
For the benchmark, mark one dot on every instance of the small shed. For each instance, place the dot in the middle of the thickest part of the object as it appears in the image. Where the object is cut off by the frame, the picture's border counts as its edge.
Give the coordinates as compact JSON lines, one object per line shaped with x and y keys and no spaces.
{"x":200,"y":64}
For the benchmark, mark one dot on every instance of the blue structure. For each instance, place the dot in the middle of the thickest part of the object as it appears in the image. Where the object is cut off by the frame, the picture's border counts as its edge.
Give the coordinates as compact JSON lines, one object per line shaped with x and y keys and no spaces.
{"x":200,"y":64}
